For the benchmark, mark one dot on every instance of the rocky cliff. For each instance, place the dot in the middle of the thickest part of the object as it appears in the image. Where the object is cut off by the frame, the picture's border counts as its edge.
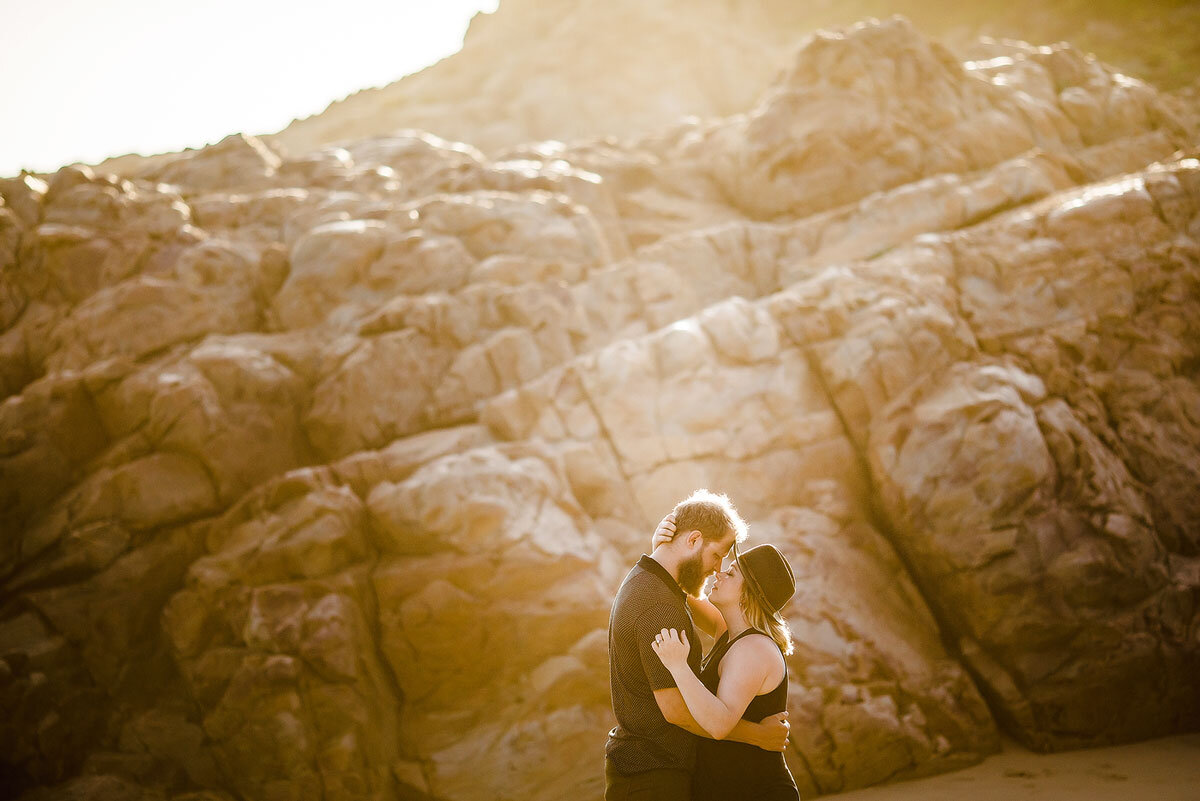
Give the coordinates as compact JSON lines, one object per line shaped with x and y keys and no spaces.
{"x":319,"y":469}
{"x":564,"y":69}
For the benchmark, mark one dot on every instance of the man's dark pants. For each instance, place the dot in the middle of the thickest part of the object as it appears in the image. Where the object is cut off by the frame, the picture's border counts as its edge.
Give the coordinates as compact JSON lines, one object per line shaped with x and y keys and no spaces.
{"x":649,"y":785}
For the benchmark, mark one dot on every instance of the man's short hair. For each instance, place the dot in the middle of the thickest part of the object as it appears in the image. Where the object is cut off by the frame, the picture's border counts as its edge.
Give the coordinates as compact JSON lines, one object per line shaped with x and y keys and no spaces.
{"x":713,"y":515}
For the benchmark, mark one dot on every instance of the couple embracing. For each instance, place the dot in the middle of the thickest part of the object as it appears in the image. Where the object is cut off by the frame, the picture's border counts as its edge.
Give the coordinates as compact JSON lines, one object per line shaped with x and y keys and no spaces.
{"x":692,"y":727}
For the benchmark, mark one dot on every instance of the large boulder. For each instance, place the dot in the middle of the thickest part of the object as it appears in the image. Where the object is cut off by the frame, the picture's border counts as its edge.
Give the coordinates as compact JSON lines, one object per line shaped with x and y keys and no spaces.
{"x":1064,"y":555}
{"x":370,"y":638}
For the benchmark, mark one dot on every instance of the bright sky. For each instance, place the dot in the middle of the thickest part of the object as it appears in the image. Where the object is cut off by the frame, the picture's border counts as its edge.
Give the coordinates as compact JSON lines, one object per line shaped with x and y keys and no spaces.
{"x":83,"y":80}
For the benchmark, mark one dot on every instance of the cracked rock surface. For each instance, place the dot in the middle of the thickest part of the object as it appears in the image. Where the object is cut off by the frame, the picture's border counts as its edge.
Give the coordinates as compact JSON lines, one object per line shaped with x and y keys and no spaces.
{"x":319,"y":469}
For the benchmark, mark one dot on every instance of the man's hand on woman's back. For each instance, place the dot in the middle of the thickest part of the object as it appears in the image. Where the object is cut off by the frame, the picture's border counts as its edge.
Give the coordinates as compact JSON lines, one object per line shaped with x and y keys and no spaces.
{"x":775,"y":732}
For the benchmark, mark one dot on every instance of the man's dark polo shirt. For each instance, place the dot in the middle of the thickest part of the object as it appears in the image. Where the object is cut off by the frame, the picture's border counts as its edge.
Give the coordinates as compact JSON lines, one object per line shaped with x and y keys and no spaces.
{"x":649,"y":601}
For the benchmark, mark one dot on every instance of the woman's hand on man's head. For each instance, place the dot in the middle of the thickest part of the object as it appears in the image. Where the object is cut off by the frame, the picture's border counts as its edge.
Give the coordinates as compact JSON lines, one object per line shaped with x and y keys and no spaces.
{"x":664,"y":533}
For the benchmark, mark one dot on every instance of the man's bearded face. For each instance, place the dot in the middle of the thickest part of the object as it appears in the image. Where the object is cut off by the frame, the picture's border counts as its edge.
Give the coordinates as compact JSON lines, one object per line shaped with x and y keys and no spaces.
{"x":692,"y":575}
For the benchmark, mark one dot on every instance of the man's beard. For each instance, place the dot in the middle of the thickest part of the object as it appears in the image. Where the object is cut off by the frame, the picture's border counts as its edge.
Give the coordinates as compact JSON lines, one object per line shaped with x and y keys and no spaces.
{"x":691,"y":575}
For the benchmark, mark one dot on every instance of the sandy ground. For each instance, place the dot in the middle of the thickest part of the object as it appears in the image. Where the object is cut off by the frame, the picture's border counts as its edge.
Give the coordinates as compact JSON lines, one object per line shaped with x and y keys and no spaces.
{"x":1167,"y":769}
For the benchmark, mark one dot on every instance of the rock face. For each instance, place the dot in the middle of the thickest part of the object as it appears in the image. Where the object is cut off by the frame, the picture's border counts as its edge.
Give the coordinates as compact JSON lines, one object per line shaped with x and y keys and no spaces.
{"x":521,"y":72}
{"x":519,"y":75}
{"x":319,"y":471}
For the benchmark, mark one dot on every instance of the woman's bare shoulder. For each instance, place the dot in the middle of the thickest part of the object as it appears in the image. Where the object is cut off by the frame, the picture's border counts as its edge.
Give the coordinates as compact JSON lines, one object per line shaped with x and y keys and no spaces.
{"x":756,"y":647}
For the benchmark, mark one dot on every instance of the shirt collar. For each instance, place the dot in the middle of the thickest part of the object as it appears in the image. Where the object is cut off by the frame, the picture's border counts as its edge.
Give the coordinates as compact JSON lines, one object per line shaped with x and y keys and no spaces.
{"x":650,"y":565}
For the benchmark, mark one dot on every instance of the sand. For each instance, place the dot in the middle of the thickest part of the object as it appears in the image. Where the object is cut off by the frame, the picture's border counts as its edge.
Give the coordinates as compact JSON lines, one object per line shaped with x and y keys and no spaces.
{"x":1166,"y":769}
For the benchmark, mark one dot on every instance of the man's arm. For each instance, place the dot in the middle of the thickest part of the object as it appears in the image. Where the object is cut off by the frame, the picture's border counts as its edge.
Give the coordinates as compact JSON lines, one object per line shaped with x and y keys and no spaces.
{"x":771,"y":734}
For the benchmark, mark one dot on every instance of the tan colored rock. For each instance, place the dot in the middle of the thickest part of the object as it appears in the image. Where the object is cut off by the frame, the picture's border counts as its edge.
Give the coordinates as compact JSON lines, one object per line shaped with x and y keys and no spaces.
{"x":530,"y":94}
{"x":142,"y":316}
{"x":862,"y":129}
{"x":296,"y":657}
{"x":270,"y":208}
{"x":419,"y":159}
{"x":49,"y":433}
{"x":271,"y":630}
{"x":874,"y":695}
{"x":13,"y":299}
{"x":78,"y":262}
{"x":285,"y":435}
{"x":358,"y":406}
{"x":333,"y":254}
{"x":95,"y":231}
{"x":717,"y":381}
{"x":24,"y":195}
{"x":25,"y":346}
{"x":475,"y":545}
{"x":108,"y":633}
{"x":401,"y":458}
{"x":106,"y":202}
{"x":99,"y":630}
{"x":236,"y":163}
{"x":233,"y":407}
{"x":999,"y":490}
{"x":342,"y":268}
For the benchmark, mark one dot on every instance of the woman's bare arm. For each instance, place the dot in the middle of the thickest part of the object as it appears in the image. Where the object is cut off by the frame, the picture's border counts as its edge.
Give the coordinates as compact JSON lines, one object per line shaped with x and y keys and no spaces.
{"x":706,"y":616}
{"x":743,"y":671}
{"x":770,"y":733}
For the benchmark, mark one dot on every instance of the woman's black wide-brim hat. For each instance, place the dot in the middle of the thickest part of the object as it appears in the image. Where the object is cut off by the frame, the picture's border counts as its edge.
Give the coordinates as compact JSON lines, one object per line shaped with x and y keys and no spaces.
{"x":768,"y":575}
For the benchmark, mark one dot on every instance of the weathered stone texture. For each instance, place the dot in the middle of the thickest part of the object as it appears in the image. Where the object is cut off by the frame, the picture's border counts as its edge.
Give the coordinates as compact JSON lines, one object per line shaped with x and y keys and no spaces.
{"x":318,"y":469}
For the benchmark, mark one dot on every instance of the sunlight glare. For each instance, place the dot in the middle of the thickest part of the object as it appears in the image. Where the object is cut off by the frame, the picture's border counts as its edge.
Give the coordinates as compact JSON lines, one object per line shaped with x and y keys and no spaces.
{"x":86,"y":81}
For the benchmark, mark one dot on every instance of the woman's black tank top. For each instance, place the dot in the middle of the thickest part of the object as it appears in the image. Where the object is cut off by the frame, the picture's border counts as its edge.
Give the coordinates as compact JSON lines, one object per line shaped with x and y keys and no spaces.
{"x":729,"y":771}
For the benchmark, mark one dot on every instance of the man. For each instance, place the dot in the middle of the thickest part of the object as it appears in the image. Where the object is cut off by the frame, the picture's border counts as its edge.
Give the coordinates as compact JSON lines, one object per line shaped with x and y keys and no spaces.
{"x":652,"y":750}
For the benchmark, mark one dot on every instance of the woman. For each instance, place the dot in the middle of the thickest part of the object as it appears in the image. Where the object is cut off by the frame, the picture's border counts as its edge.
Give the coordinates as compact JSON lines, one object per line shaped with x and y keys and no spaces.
{"x":743,"y":676}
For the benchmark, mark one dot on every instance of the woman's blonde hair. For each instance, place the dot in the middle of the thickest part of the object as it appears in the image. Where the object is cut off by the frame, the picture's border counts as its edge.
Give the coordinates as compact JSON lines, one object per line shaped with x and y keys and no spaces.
{"x":758,"y":618}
